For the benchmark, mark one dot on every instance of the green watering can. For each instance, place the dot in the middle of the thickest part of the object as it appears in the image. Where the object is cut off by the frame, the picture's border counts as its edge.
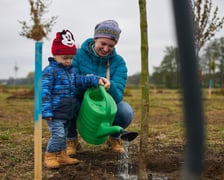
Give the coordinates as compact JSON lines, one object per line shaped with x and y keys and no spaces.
{"x":96,"y":116}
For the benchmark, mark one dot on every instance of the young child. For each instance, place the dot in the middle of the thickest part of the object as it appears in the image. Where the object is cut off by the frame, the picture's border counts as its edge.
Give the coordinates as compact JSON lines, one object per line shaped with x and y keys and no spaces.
{"x":59,"y":83}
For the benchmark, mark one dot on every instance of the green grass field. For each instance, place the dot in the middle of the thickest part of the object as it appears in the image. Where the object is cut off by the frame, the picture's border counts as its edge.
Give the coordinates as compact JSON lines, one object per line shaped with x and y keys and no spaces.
{"x":166,"y":126}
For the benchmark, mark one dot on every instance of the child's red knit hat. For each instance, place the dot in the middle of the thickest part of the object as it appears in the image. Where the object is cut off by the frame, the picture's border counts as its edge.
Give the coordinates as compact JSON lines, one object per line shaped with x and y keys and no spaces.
{"x":64,"y":44}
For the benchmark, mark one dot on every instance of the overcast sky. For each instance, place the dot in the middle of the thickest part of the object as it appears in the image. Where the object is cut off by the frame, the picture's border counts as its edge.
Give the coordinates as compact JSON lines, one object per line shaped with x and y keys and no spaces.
{"x":81,"y":17}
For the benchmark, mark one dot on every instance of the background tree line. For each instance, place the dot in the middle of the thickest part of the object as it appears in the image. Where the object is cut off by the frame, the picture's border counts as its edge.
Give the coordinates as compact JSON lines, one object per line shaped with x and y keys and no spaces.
{"x":211,"y":62}
{"x":166,"y":75}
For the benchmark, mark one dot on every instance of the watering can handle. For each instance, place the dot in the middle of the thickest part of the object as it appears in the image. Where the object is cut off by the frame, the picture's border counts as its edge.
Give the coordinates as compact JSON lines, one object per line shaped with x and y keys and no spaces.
{"x":105,"y":95}
{"x":102,"y":89}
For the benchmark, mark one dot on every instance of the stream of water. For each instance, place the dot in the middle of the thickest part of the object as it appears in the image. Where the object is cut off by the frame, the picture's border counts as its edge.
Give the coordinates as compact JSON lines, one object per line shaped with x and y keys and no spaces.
{"x":125,"y":165}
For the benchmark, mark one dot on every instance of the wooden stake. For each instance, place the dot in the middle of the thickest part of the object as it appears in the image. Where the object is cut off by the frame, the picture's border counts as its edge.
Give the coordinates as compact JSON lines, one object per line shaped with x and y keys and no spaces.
{"x":38,"y":150}
{"x":37,"y":112}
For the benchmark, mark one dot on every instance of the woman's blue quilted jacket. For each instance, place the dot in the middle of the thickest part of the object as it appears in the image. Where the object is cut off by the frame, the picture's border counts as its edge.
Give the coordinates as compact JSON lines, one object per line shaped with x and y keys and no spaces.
{"x":87,"y":62}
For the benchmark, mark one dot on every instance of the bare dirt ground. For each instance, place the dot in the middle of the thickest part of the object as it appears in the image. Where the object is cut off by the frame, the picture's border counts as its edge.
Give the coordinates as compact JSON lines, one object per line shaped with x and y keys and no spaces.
{"x":164,"y":159}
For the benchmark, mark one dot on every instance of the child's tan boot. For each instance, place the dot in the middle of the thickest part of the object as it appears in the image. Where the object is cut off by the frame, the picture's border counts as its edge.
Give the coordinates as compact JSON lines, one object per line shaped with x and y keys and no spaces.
{"x":72,"y":146}
{"x":50,"y":160}
{"x":64,"y":159}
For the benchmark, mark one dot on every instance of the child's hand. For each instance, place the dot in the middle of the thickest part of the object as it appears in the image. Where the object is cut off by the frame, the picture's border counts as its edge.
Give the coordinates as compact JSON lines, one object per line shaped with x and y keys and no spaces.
{"x":105,"y":82}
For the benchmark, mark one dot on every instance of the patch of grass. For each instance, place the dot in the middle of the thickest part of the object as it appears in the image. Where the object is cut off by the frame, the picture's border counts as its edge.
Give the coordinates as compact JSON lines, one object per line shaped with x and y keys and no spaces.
{"x":166,"y":117}
{"x":4,"y":135}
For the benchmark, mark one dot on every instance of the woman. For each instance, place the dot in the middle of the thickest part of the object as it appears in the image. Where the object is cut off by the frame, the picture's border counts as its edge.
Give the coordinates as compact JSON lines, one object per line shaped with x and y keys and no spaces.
{"x":98,"y":56}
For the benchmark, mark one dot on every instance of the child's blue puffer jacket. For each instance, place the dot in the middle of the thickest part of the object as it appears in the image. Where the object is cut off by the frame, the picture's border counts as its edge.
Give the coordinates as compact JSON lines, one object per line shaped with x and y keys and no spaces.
{"x":59,"y":84}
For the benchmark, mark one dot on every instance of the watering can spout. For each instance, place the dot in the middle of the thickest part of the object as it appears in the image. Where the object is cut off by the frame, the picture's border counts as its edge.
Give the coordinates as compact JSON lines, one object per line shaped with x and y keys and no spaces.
{"x":105,"y":129}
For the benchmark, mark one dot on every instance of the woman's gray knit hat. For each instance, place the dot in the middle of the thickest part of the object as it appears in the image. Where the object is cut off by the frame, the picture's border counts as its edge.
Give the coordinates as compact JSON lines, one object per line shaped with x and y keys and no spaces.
{"x":107,"y":29}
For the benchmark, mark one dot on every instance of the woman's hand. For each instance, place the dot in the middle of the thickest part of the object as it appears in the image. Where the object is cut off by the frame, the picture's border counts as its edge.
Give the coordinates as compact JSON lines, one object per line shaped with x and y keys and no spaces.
{"x":105,"y":82}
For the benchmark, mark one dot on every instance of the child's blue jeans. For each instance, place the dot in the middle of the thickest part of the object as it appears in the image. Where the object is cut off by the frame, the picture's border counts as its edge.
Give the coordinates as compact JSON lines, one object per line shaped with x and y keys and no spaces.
{"x":58,"y":129}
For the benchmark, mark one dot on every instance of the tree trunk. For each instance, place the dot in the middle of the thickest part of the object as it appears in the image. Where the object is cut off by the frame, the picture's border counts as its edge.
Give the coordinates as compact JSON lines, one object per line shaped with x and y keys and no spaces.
{"x":142,"y":173}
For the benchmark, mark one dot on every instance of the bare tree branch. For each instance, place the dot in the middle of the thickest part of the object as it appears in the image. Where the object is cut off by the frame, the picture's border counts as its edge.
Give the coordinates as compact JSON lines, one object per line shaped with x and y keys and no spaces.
{"x":40,"y":28}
